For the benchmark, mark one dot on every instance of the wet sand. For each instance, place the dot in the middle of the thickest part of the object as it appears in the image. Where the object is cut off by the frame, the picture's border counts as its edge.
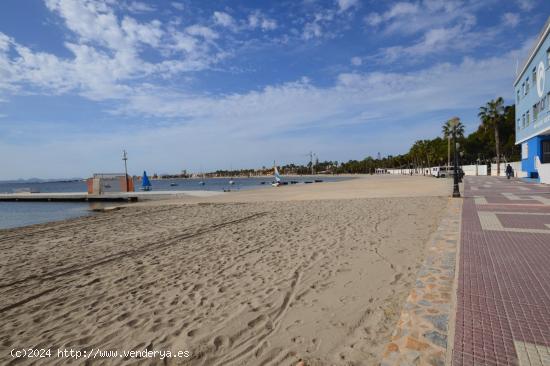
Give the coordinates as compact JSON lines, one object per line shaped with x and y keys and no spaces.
{"x":267,"y":277}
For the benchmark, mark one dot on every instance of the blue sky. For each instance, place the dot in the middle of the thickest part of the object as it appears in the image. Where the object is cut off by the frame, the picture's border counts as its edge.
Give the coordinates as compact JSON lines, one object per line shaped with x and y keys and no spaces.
{"x":204,"y":85}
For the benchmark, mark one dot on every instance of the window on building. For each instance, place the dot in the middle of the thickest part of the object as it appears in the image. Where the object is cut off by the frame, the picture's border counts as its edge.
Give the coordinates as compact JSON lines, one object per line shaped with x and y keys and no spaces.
{"x":534,"y":75}
{"x":523,"y":89}
{"x":542,"y":103}
{"x":518,"y":96}
{"x":535,"y":112}
{"x":545,"y":152}
{"x":548,"y":57}
{"x":527,"y":119}
{"x":526,"y":86}
{"x":523,"y":121}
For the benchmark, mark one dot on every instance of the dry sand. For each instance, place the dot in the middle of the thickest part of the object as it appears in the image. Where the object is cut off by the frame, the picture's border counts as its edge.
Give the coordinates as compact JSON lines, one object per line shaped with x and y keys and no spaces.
{"x":237,"y":279}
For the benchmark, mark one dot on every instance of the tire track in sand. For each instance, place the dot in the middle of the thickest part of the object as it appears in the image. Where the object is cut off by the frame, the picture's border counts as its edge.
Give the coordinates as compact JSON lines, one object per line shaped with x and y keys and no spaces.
{"x":253,"y":344}
{"x":110,"y":258}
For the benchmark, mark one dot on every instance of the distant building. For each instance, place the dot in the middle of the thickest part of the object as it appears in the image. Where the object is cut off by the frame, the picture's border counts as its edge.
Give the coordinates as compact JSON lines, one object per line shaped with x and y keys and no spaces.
{"x":109,"y":183}
{"x":532,"y":96}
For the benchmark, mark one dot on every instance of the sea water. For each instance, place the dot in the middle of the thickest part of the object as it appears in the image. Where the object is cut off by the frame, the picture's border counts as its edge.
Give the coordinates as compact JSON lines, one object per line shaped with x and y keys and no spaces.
{"x":16,"y":214}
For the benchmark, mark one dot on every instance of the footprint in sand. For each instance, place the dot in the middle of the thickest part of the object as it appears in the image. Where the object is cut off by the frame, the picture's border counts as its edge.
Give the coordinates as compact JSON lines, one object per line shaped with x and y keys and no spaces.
{"x":396,"y":278}
{"x":221,"y":342}
{"x":192,"y":333}
{"x":253,"y":323}
{"x":295,"y":324}
{"x":260,"y":351}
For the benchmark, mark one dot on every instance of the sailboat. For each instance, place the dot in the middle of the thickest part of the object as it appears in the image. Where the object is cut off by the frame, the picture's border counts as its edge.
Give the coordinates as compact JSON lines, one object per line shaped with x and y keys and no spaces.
{"x":203,"y":181}
{"x":278,"y":178}
{"x":145,"y":183}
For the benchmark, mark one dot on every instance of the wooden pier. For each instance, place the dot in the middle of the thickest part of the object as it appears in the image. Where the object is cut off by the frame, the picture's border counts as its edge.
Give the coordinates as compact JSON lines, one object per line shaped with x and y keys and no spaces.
{"x":106,"y":197}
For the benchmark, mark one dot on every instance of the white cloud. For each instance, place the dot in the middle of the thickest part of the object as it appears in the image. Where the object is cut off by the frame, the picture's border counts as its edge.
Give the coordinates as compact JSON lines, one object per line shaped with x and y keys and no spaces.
{"x":356,"y":61}
{"x":510,"y":19}
{"x":259,"y":20}
{"x":106,"y":64}
{"x":396,"y":11}
{"x":312,"y":30}
{"x":91,"y":21}
{"x":268,"y":24}
{"x":184,"y":43}
{"x":526,"y":5}
{"x":344,"y":5}
{"x":374,"y":19}
{"x":294,"y":104}
{"x":255,"y":20}
{"x":259,"y":121}
{"x":441,"y":26}
{"x":316,"y":27}
{"x":107,"y":60}
{"x":139,"y":7}
{"x":177,"y":5}
{"x":135,"y":33}
{"x":224,"y":19}
{"x":4,"y":42}
{"x":437,"y":41}
{"x":202,"y":31}
{"x":410,"y":18}
{"x":433,"y":41}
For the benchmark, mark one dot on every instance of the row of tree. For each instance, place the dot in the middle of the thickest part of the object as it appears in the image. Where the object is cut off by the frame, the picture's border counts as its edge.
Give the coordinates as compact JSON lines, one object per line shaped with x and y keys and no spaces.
{"x":493,"y":141}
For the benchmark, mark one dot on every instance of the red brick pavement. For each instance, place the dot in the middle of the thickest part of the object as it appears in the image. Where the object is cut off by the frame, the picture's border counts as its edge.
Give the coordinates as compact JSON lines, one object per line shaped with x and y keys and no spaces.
{"x":503,"y":295}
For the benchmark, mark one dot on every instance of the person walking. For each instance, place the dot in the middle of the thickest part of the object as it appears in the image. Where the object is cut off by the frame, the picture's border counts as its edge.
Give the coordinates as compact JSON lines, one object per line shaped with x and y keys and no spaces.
{"x":509,"y":171}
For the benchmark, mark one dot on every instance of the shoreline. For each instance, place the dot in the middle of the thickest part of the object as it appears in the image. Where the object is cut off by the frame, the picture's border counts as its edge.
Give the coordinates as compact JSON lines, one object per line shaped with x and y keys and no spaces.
{"x":81,"y":198}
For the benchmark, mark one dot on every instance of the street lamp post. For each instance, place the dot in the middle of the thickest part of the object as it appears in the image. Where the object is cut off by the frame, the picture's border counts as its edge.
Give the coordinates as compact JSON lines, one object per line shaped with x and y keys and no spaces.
{"x":456,"y":191}
{"x":125,"y":158}
{"x":500,"y":116}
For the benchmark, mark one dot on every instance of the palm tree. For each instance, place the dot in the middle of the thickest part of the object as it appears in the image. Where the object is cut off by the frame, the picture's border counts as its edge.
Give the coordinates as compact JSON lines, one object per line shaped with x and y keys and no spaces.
{"x":448,"y":128}
{"x":491,"y":116}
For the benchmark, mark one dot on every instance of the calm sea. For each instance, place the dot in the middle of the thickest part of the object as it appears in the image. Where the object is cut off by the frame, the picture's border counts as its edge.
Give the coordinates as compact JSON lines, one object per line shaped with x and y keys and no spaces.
{"x":16,"y":214}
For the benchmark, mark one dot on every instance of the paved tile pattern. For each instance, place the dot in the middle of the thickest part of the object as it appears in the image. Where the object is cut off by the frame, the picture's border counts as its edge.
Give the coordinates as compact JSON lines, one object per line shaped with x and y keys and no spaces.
{"x":420,"y":337}
{"x":520,"y":222}
{"x":503,"y":295}
{"x":532,"y":354}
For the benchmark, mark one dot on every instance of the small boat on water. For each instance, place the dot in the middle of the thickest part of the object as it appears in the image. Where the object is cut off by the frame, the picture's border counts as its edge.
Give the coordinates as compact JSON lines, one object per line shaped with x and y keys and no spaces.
{"x":231,"y":182}
{"x":318,"y":180}
{"x":173,"y":184}
{"x":203,"y":181}
{"x":278,"y":179}
{"x":145,"y":183}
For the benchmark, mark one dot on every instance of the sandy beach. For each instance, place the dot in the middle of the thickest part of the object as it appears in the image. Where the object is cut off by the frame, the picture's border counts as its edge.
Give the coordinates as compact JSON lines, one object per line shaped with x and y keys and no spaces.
{"x":265,"y":277}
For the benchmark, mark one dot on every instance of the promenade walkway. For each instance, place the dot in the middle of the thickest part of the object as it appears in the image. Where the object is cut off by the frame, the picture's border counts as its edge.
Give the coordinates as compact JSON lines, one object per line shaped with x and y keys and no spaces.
{"x":503,"y":294}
